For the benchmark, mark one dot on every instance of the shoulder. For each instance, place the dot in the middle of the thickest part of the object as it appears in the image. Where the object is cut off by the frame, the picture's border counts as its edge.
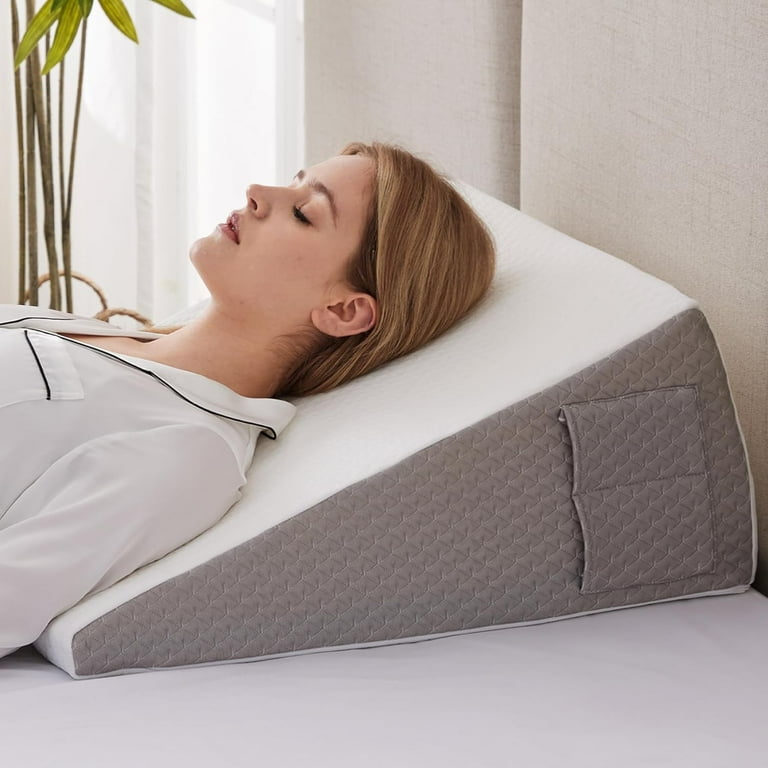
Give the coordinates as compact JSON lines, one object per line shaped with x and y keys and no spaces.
{"x":164,"y":446}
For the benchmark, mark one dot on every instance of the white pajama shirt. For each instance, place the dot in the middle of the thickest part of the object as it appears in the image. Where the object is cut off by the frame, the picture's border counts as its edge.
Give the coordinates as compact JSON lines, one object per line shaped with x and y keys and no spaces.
{"x":107,"y":462}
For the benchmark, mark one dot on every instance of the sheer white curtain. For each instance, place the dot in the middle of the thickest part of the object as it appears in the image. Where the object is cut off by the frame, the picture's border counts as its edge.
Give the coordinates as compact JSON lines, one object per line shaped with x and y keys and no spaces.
{"x":171,"y":132}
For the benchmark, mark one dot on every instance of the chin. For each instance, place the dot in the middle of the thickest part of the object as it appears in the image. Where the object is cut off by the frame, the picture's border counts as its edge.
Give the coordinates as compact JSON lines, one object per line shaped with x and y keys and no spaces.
{"x":202,"y":243}
{"x":208,"y":247}
{"x":204,"y":254}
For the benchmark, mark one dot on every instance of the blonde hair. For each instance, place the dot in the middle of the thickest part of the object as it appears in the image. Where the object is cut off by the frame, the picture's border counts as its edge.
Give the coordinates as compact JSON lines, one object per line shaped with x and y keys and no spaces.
{"x":425,"y":256}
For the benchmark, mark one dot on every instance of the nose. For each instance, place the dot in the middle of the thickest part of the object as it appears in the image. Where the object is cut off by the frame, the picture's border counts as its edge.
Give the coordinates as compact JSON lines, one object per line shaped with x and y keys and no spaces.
{"x":258,"y":199}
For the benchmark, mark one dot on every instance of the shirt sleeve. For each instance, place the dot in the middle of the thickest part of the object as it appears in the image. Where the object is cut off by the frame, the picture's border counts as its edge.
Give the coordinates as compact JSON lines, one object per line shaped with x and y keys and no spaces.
{"x":102,"y":511}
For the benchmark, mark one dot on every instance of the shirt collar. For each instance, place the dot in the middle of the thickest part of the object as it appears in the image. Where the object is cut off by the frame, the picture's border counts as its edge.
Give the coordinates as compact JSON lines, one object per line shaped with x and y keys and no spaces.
{"x":271,"y":414}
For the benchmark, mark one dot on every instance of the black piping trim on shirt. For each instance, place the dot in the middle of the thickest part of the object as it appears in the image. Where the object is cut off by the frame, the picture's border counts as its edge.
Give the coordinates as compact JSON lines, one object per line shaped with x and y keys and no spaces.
{"x":268,"y":431}
{"x":39,"y":365}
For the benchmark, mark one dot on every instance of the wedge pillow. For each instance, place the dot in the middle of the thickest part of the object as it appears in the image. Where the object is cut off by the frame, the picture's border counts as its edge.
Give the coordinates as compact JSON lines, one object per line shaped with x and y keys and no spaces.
{"x":570,"y":447}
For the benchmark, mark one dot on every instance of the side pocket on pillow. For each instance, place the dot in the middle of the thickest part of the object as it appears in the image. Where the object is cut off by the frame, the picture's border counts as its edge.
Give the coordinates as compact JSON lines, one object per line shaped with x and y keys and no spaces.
{"x":641,"y":488}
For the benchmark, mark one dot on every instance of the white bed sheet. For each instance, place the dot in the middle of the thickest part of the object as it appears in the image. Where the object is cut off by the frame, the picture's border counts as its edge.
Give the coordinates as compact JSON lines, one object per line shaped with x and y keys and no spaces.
{"x":671,"y":684}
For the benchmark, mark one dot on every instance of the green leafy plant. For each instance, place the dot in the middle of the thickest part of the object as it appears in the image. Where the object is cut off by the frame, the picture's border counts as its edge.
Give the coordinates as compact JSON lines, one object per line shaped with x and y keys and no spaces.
{"x":34,"y":128}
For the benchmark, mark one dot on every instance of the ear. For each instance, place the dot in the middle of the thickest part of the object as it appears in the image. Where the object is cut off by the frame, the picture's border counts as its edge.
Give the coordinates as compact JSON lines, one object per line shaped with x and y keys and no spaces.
{"x":356,"y":313}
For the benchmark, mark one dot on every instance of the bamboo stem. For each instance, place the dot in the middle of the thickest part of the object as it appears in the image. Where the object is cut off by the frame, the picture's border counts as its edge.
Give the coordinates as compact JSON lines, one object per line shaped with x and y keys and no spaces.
{"x":63,"y":196}
{"x":31,"y":191}
{"x":62,"y":189}
{"x":67,"y":251}
{"x":47,"y":83}
{"x":20,"y":143}
{"x":49,"y":140}
{"x":46,"y":172}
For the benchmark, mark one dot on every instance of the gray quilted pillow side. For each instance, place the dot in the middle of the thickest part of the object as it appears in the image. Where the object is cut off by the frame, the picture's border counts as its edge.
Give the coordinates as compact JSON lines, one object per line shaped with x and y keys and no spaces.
{"x":480,"y":529}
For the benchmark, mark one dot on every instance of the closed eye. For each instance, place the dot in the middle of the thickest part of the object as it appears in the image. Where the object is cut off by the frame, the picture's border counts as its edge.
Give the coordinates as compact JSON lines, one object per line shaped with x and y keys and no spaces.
{"x":300,"y":216}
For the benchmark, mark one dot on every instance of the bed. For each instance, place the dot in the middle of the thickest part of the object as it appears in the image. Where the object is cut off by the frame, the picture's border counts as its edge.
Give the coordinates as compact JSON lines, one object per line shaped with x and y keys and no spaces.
{"x":673,"y":684}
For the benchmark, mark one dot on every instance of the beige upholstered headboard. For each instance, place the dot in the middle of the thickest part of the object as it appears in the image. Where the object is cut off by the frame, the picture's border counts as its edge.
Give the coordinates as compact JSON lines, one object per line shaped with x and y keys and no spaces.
{"x":638,"y":127}
{"x":441,"y":81}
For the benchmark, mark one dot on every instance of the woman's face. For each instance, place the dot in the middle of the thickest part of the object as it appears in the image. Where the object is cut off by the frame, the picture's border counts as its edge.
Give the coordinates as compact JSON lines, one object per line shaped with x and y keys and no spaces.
{"x":285,"y":253}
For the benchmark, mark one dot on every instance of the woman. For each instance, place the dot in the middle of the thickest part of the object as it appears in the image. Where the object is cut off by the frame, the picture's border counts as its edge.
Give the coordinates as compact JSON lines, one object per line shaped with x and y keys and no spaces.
{"x":119,"y":447}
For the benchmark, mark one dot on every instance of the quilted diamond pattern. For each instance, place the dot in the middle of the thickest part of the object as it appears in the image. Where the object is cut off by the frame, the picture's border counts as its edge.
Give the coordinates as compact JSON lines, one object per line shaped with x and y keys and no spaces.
{"x":641,"y":488}
{"x":637,"y":437}
{"x":479,"y":529}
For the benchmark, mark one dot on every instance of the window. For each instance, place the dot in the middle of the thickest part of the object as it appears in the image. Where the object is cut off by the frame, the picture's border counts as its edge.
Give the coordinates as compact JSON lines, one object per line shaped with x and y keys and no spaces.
{"x":171,"y":132}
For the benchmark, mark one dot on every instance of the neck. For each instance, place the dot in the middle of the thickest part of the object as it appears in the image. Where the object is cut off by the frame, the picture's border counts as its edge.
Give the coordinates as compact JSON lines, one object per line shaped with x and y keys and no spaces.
{"x":220,"y":348}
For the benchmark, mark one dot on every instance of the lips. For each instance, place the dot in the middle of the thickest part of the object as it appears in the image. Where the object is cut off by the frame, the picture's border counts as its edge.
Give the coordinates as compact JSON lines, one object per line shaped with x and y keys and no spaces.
{"x":232,"y":228}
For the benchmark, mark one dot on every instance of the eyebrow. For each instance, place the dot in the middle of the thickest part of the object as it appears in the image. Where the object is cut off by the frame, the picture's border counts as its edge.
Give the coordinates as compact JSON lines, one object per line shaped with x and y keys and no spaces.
{"x":318,"y":186}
